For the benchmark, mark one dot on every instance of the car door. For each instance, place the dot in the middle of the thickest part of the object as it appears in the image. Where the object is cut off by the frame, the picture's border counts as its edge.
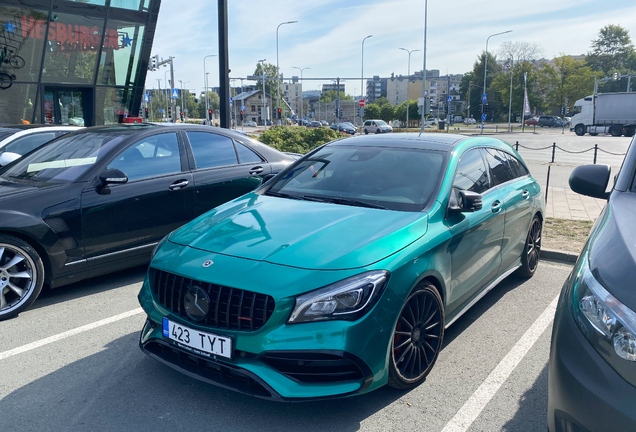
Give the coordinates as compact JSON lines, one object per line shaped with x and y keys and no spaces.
{"x":122,"y":224}
{"x":475,"y":247}
{"x":223,"y":169}
{"x":516,"y":188}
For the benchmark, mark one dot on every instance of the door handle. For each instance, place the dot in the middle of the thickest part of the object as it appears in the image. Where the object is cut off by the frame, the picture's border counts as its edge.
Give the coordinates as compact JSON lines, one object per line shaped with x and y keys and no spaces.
{"x":525,"y":194}
{"x":256,"y":170}
{"x":496,"y":207}
{"x":179,"y":184}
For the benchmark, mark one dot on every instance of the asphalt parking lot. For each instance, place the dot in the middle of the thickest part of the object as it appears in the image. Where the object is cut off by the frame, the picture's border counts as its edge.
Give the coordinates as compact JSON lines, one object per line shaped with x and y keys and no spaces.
{"x":72,"y":363}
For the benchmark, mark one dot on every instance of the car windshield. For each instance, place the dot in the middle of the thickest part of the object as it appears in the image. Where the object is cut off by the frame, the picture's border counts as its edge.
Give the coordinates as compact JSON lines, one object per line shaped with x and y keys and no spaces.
{"x":392,"y":178}
{"x":63,"y":160}
{"x":381,"y":122}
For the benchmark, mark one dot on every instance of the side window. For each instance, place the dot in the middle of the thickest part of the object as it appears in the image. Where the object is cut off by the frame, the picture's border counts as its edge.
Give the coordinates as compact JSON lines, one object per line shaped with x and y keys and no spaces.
{"x":212,"y":150}
{"x":471,"y":174}
{"x":27,"y":143}
{"x":499,"y":170}
{"x":518,"y":170}
{"x":367,"y":123}
{"x":246,"y":155}
{"x":150,"y":157}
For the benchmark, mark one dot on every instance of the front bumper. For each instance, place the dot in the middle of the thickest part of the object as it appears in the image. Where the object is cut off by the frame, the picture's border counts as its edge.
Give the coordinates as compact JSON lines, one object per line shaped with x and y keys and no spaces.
{"x":360,"y":345}
{"x":584,"y":392}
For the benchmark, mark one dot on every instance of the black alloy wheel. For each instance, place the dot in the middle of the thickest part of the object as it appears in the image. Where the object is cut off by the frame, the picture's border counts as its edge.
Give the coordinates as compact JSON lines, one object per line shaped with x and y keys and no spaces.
{"x":417,"y":338}
{"x":532,"y":249}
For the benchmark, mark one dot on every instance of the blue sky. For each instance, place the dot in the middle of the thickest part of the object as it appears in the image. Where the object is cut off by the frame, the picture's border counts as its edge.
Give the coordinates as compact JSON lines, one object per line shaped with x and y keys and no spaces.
{"x":327,"y":38}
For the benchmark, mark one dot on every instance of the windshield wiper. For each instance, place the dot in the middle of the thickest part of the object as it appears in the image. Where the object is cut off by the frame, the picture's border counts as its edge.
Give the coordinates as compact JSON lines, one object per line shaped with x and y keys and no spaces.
{"x":358,"y":203}
{"x":314,"y":198}
{"x":284,"y":195}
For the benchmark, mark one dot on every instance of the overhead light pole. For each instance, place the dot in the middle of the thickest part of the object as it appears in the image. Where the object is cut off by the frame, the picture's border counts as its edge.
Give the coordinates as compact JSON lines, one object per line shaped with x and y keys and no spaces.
{"x":512,"y":69}
{"x":205,"y":83}
{"x":408,"y":81}
{"x":486,"y":74}
{"x":277,"y":68}
{"x":264,"y":109}
{"x":302,"y":101}
{"x":424,"y":94}
{"x":362,"y":72}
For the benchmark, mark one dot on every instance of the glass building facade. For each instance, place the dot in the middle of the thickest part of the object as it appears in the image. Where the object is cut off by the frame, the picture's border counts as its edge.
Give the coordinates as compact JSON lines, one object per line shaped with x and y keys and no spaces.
{"x":80,"y":62}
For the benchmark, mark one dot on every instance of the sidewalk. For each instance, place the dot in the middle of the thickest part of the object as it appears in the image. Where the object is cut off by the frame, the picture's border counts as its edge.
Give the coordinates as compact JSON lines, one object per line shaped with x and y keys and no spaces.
{"x":565,"y":204}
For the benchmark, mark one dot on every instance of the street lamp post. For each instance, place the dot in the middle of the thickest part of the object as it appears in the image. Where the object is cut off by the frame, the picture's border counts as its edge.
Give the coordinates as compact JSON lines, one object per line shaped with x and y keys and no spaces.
{"x":277,"y":68}
{"x":183,"y":108}
{"x":302,"y":102}
{"x":168,"y":95}
{"x":424,"y":95}
{"x":205,"y":82}
{"x":486,"y":74}
{"x":263,"y":110}
{"x":512,"y":69}
{"x":362,"y":75}
{"x":408,"y":81}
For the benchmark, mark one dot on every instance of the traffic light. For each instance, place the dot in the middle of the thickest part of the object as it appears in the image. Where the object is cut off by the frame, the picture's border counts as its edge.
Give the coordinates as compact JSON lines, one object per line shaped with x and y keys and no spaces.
{"x":209,"y":114}
{"x":615,"y":76}
{"x":486,"y":108}
{"x":562,"y":111}
{"x":241,"y":115}
{"x":146,"y":113}
{"x":280,"y":113}
{"x":452,"y":109}
{"x":181,"y":115}
{"x":169,"y":111}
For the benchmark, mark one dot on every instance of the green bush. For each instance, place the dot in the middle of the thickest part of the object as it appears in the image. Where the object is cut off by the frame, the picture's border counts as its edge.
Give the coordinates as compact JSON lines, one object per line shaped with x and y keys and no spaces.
{"x":298,"y":139}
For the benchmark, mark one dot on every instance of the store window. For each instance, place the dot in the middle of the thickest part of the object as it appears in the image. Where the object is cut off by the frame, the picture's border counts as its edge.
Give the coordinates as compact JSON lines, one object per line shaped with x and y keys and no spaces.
{"x":120,"y":54}
{"x":72,"y":45}
{"x":112,"y":104}
{"x":17,"y":103}
{"x":140,"y":5}
{"x":21,"y":43}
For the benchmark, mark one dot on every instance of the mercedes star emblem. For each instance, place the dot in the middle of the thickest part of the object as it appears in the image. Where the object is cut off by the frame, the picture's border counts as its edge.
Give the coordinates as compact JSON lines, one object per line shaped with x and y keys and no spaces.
{"x":197,"y":303}
{"x":208,"y":263}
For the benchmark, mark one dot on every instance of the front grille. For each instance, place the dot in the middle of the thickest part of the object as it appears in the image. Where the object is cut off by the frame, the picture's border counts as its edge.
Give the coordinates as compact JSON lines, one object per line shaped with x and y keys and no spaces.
{"x":313,"y":367}
{"x":230,"y":308}
{"x":210,"y":371}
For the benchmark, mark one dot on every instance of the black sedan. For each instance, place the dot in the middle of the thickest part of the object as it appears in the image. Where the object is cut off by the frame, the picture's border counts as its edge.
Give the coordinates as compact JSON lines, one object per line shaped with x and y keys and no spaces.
{"x":99,"y":200}
{"x":344,"y":127}
{"x":592,"y":372}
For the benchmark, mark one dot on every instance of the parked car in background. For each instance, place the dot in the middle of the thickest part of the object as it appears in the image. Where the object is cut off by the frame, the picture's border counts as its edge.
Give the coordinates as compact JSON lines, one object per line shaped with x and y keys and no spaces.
{"x":324,"y":122}
{"x":470,"y":121}
{"x":550,"y":121}
{"x":592,"y":367}
{"x":376,"y":126}
{"x":341,"y":274}
{"x":250,"y":123}
{"x":314,"y":124}
{"x":532,"y":121}
{"x":18,"y":140}
{"x":344,"y":127}
{"x":98,"y":200}
{"x":263,"y":123}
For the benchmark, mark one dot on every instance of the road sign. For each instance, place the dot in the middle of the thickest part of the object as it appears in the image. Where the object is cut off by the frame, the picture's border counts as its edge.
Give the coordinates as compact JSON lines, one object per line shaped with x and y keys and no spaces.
{"x":175,"y":94}
{"x":449,"y":99}
{"x":242,"y":107}
{"x":160,"y":110}
{"x":483,"y":117}
{"x":361,"y":102}
{"x":484,"y":98}
{"x":231,"y":100}
{"x":146,"y":98}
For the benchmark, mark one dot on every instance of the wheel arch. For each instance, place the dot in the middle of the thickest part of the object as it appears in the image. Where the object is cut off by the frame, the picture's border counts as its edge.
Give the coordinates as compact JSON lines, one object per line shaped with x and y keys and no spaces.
{"x":44,"y":256}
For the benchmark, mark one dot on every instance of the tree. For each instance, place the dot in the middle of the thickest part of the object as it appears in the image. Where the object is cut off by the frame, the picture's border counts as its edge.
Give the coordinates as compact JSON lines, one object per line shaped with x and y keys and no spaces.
{"x":215,"y":104}
{"x":500,"y":90}
{"x":371,"y":111}
{"x":270,"y":79}
{"x":380,"y":101}
{"x":520,"y":51}
{"x":494,"y":70}
{"x":331,"y":95}
{"x":386,"y":112}
{"x":612,"y":50}
{"x":564,"y":78}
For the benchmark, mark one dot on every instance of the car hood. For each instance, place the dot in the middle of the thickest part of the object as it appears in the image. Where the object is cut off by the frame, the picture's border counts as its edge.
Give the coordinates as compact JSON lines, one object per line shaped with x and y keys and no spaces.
{"x":613,"y":251}
{"x":302,"y":234}
{"x":10,"y":189}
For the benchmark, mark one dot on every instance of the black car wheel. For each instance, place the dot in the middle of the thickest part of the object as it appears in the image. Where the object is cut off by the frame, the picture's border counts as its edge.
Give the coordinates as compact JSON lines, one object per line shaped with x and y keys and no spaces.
{"x":377,"y":131}
{"x":417,"y":338}
{"x":366,"y":132}
{"x":532,"y":250}
{"x":21,"y":276}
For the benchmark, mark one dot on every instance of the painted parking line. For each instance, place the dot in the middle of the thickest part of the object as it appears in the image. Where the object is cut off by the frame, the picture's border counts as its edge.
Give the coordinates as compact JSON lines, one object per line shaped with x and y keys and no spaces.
{"x":469,"y":412}
{"x":69,"y":333}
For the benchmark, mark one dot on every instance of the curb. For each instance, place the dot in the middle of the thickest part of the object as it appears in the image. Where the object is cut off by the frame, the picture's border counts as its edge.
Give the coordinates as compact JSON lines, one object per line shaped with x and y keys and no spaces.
{"x":558,"y":255}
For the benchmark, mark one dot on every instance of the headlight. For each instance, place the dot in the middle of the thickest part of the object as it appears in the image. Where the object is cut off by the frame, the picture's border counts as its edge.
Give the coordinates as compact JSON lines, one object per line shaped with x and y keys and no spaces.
{"x":348,"y":299}
{"x":161,"y":242}
{"x":607,"y":323}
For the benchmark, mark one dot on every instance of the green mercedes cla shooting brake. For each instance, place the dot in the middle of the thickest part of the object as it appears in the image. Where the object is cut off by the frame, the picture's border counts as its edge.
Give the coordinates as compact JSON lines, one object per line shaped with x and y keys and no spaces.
{"x":341,"y":273}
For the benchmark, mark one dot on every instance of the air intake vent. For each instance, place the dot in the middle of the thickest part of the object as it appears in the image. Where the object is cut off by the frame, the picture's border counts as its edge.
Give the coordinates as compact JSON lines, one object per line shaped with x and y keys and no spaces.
{"x":58,"y":225}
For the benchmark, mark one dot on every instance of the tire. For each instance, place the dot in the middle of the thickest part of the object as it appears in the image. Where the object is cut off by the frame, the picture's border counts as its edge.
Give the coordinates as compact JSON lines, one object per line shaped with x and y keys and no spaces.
{"x":630,"y":131}
{"x":21,"y":276}
{"x":415,"y":350}
{"x":616,"y":131}
{"x":531,"y":250}
{"x":377,"y":131}
{"x":579,"y":130}
{"x":593,"y":134}
{"x":366,"y":132}
{"x":6,"y":81}
{"x":16,"y":62}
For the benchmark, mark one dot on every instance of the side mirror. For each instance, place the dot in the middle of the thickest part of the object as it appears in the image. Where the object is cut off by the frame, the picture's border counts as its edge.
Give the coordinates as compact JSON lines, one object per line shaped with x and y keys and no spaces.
{"x":591,"y":180}
{"x":464,"y":201}
{"x":113,"y":176}
{"x":7,"y":157}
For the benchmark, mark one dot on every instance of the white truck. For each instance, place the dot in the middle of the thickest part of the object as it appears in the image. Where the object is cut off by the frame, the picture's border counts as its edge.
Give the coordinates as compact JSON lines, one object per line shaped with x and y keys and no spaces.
{"x":613,"y":113}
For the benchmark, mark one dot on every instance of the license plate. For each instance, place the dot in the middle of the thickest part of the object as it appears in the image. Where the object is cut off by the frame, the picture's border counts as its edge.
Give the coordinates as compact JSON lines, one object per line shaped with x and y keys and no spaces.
{"x":200,"y":342}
